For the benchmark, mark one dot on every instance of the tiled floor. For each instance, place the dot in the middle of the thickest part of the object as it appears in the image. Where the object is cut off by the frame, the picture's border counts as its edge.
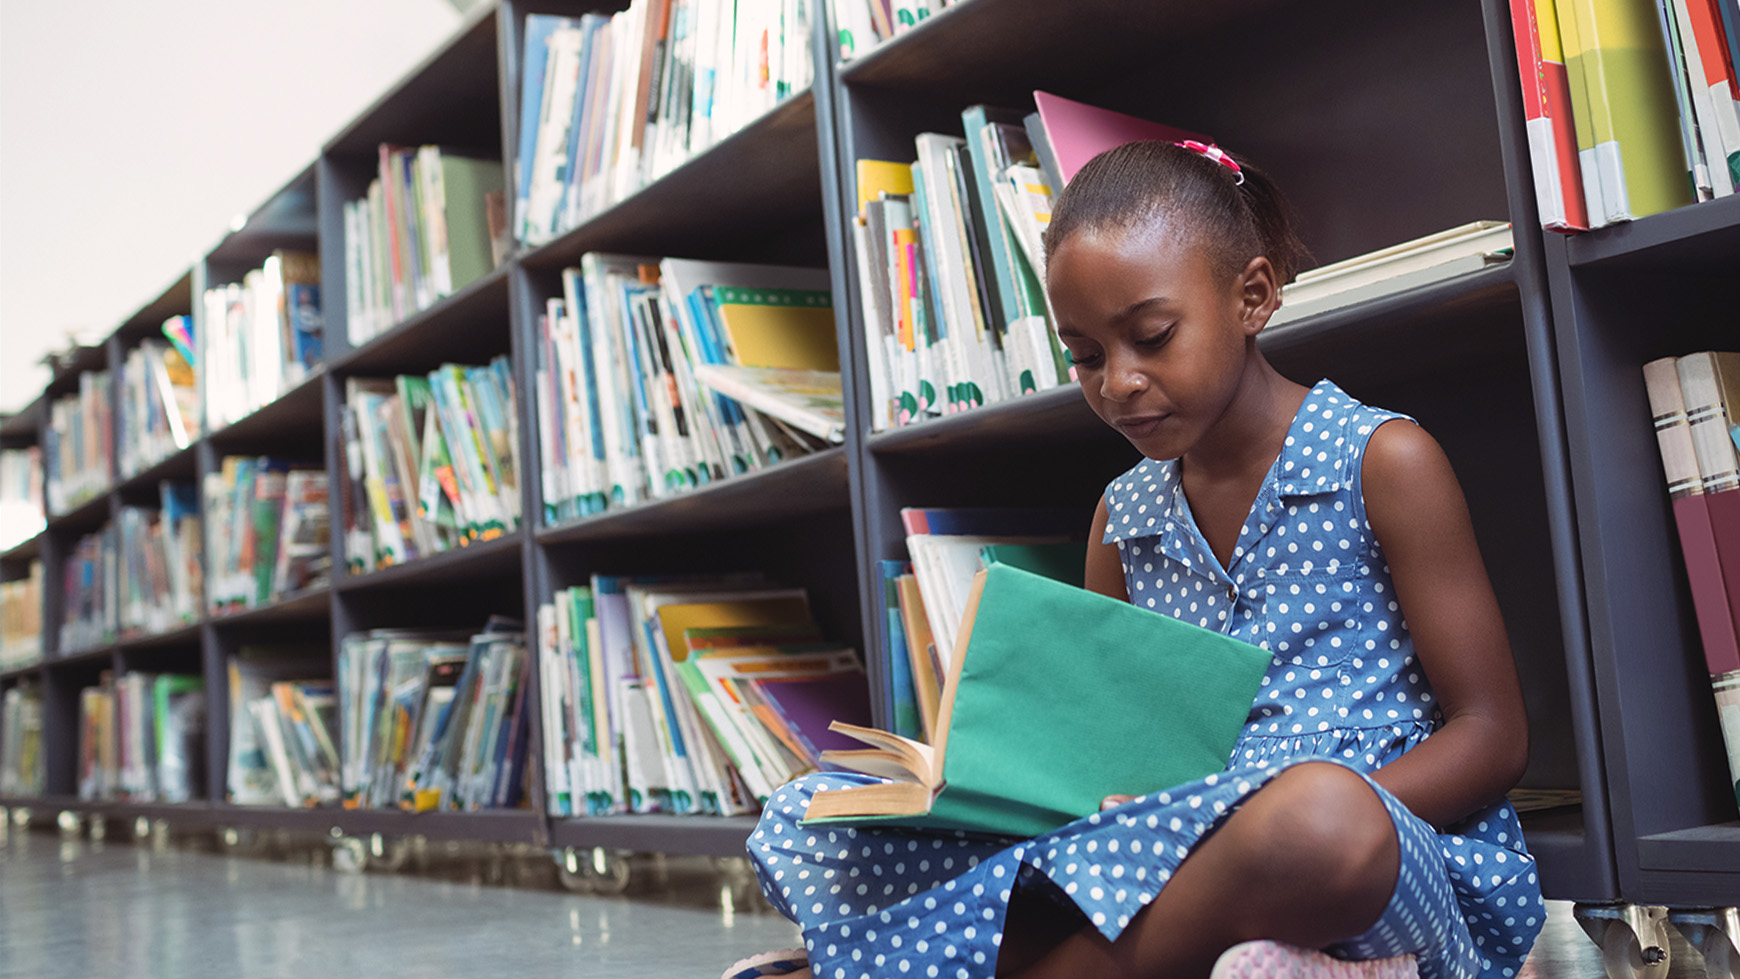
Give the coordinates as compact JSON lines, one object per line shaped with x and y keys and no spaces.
{"x":84,"y":910}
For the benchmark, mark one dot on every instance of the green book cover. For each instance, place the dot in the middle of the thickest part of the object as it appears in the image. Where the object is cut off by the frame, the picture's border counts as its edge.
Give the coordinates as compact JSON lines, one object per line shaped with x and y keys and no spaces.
{"x":1064,"y":561}
{"x":1062,"y":697}
{"x":464,"y":181}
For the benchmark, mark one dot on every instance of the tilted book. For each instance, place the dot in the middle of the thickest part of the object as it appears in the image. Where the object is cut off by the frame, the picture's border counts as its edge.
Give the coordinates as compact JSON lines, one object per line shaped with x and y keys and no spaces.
{"x":1057,"y":697}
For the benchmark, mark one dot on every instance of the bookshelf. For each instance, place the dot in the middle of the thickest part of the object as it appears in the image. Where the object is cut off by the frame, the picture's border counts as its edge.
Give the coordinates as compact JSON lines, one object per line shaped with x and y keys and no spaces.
{"x":1528,"y":373}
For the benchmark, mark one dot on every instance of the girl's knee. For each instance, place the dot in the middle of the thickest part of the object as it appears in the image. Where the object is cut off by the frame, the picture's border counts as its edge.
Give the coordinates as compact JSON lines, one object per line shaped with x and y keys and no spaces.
{"x":1323,"y":815}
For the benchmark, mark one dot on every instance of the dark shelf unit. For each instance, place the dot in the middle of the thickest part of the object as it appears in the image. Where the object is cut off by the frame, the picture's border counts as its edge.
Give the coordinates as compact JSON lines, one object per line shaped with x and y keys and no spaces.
{"x":1527,"y":373}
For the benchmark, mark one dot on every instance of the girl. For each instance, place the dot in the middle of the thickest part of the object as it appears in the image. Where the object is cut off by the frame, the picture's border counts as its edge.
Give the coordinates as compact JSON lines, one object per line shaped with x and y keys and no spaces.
{"x":1330,"y":533}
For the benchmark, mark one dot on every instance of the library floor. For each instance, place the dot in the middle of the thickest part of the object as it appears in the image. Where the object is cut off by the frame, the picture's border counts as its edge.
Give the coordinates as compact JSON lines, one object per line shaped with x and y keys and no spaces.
{"x":116,"y":910}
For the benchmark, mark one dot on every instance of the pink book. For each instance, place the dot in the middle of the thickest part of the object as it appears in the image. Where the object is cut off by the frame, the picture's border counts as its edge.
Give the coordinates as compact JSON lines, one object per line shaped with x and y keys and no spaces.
{"x":1076,"y":132}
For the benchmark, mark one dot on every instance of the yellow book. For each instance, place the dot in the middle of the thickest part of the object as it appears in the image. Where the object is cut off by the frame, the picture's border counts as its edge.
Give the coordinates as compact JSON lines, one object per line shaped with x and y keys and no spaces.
{"x":779,"y":327}
{"x":877,"y":177}
{"x":782,"y":610}
{"x":1635,"y":119}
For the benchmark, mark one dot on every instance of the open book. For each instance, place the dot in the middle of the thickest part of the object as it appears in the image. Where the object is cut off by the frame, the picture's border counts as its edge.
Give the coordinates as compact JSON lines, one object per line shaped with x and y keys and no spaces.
{"x":1056,"y":698}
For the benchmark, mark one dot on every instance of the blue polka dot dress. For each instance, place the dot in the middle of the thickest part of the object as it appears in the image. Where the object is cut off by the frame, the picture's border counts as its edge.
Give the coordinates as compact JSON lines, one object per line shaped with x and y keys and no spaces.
{"x":1307,"y":582}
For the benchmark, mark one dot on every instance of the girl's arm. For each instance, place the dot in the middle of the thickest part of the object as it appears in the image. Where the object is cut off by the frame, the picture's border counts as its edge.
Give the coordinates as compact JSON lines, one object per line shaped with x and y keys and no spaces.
{"x":1105,"y":569}
{"x":1419,"y":518}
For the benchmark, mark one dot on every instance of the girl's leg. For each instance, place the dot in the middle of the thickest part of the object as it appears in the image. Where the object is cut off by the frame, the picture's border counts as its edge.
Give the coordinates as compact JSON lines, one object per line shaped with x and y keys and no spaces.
{"x":1309,"y":859}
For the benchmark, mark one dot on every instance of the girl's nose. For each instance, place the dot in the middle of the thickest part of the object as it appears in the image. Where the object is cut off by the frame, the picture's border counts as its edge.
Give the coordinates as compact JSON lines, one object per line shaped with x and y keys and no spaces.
{"x":1122,"y":379}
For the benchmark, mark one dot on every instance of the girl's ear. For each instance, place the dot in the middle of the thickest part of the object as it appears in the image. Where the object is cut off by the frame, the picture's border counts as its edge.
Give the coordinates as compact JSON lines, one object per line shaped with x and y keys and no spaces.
{"x":1259,"y":295}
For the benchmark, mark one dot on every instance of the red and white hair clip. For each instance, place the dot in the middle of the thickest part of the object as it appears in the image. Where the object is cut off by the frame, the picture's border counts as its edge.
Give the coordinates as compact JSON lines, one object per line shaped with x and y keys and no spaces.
{"x":1216,"y":154}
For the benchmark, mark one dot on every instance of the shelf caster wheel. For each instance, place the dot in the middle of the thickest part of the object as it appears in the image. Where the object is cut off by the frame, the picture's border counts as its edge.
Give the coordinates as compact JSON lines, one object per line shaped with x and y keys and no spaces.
{"x":388,"y":854}
{"x":570,"y":870}
{"x":350,"y":855}
{"x":1633,"y":938}
{"x":596,"y":870}
{"x":1714,"y":932}
{"x":232,"y":839}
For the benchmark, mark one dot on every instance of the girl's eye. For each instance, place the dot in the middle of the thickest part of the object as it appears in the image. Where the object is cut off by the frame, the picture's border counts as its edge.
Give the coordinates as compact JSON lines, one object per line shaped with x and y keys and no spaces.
{"x":1083,"y":359}
{"x":1157,"y":339}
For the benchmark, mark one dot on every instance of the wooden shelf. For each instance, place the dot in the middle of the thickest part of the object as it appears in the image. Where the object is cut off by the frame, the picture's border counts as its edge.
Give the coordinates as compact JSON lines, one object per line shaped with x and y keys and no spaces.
{"x":25,"y":550}
{"x":808,"y":484}
{"x":481,"y":560}
{"x":306,"y":606}
{"x":447,"y":332}
{"x":83,"y":518}
{"x":181,"y":466}
{"x":17,"y":672}
{"x":93,"y":655}
{"x":712,"y":836}
{"x":1700,"y":237}
{"x":186,"y":634}
{"x":295,"y":418}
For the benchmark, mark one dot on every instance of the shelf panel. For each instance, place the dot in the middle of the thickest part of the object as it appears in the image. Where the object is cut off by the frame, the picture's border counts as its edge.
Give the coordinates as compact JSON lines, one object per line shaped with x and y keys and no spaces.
{"x":181,"y":465}
{"x":764,"y":178}
{"x":20,"y":427}
{"x":488,"y":825}
{"x":1035,"y":418}
{"x":175,"y":300}
{"x":1699,"y":849}
{"x":66,"y":366}
{"x":441,"y":333}
{"x":18,"y":672}
{"x":178,"y":636}
{"x":811,"y":484}
{"x":296,"y":416}
{"x":481,"y":560}
{"x":307,"y":606}
{"x":84,"y":518}
{"x":1698,"y":238}
{"x":710,"y":836}
{"x":98,"y":655}
{"x":25,"y":549}
{"x":286,"y":220}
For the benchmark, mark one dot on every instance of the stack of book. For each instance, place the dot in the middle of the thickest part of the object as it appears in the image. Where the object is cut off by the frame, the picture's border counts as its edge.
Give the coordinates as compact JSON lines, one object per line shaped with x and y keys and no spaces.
{"x":432,"y":223}
{"x":21,"y":505}
{"x":863,"y":24}
{"x":157,"y":723}
{"x":90,"y":611}
{"x":1410,"y":265}
{"x":23,"y":764}
{"x":610,"y":103}
{"x":158,"y":414}
{"x":924,"y":599}
{"x":431,"y":463}
{"x":686,"y":695}
{"x":1632,"y":106}
{"x":262,"y":336}
{"x":79,"y":445}
{"x":267,"y":532}
{"x":99,"y":774}
{"x":434,"y":720}
{"x":283,"y":736}
{"x":161,"y":571}
{"x":624,"y":414}
{"x":1695,"y":402}
{"x":21,"y":620}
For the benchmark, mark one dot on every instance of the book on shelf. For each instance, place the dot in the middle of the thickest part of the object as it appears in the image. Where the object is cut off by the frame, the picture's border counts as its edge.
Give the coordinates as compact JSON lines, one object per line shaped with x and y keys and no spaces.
{"x":420,"y":234}
{"x":158,"y":413}
{"x":161,"y":572}
{"x":434,"y":720}
{"x":431,"y":463}
{"x":1066,"y":134}
{"x":1412,"y":264}
{"x":90,"y":586}
{"x":157,"y":723}
{"x":21,"y":619}
{"x":22,"y":510}
{"x":23,"y":761}
{"x":99,"y":757}
{"x":1552,"y":135}
{"x":686,"y":695}
{"x":267,"y":532}
{"x":262,"y":336}
{"x":810,"y":401}
{"x":623,"y":418}
{"x":611,"y":102}
{"x":269,"y":761}
{"x":1695,"y":404}
{"x":1042,"y":670}
{"x":79,"y":444}
{"x":863,"y":24}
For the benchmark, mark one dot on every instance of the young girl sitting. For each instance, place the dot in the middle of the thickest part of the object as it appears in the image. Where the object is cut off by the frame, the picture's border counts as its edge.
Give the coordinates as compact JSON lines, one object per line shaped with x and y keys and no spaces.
{"x":1362,"y":811}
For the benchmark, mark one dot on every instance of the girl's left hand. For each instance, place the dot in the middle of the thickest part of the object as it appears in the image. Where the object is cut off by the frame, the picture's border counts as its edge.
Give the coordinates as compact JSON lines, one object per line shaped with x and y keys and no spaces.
{"x":1112,"y":801}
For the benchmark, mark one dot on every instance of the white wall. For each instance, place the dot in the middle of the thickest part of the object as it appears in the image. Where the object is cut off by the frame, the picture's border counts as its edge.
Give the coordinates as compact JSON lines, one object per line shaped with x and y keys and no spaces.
{"x":131,"y":133}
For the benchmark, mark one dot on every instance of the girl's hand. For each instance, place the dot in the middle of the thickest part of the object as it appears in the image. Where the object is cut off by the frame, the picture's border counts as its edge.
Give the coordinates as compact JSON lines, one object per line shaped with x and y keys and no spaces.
{"x":1112,"y":801}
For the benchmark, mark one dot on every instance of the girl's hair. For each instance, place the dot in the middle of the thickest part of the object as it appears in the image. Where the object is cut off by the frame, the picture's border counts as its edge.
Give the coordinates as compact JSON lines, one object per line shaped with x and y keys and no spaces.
{"x":1136,"y":183}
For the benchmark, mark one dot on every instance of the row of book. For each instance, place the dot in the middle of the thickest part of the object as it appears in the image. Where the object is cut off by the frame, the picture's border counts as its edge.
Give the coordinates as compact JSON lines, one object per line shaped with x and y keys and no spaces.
{"x":1695,"y":403}
{"x":433,"y":221}
{"x":1632,"y":106}
{"x":23,"y":764}
{"x":863,"y":24}
{"x":142,"y":738}
{"x":161,"y":572}
{"x":21,"y":619}
{"x":262,"y":336}
{"x":626,"y":408}
{"x":434,"y":720}
{"x":431,"y":463}
{"x":268,"y":532}
{"x":22,"y":513}
{"x":90,"y":613}
{"x":158,"y":411}
{"x":686,"y":695}
{"x":609,"y":103}
{"x":283,"y":748}
{"x":79,"y":444}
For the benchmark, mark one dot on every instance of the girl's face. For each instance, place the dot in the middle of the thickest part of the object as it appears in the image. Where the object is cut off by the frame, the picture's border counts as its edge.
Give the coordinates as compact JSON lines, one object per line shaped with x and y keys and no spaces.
{"x":1159,"y":339}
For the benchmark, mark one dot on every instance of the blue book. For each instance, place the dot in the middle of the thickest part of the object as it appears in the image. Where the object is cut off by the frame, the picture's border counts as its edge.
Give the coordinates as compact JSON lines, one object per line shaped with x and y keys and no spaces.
{"x":539,"y":27}
{"x":569,"y":208}
{"x":900,"y":694}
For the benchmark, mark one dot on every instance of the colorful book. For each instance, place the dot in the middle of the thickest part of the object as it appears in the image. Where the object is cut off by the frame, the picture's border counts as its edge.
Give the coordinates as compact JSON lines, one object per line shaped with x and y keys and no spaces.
{"x":1552,"y":133}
